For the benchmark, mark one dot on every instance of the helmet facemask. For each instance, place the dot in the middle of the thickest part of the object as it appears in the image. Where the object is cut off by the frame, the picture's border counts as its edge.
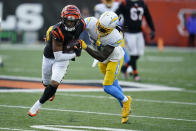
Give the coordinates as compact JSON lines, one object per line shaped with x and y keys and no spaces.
{"x":70,"y":24}
{"x":103,"y":31}
{"x":106,"y":23}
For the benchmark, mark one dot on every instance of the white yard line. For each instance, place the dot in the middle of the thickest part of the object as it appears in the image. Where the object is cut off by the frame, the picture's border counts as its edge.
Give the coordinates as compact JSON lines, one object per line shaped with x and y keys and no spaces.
{"x":143,"y":100}
{"x":99,"y":113}
{"x":163,"y":58}
{"x":97,"y":97}
{"x":14,"y":129}
{"x":76,"y":128}
{"x":40,"y":46}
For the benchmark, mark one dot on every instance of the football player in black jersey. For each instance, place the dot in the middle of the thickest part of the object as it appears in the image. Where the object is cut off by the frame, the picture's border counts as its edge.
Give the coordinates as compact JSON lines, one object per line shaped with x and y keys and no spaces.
{"x":62,"y":46}
{"x":133,"y":12}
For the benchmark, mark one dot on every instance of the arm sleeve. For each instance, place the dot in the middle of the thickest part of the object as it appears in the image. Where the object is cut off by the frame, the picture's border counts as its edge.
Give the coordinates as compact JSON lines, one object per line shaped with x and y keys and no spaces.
{"x":121,"y":8}
{"x":60,"y":56}
{"x":87,"y":22}
{"x":57,"y":34}
{"x":148,"y":18}
{"x":100,"y":55}
{"x":48,"y":33}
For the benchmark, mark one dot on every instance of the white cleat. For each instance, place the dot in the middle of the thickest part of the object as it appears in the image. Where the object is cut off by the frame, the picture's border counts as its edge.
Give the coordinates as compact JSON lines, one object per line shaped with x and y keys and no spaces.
{"x":34,"y":109}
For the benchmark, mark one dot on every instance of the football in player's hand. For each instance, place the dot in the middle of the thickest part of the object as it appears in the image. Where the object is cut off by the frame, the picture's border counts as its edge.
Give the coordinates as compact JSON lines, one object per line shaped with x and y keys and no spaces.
{"x":71,"y":46}
{"x":78,"y":48}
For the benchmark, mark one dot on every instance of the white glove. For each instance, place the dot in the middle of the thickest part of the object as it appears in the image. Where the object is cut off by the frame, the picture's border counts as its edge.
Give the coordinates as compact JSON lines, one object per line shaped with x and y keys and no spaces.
{"x":95,"y":62}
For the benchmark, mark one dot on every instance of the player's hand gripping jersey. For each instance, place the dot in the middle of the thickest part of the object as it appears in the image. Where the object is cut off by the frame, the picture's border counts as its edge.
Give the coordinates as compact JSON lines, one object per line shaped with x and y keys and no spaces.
{"x":58,"y":33}
{"x":99,"y":42}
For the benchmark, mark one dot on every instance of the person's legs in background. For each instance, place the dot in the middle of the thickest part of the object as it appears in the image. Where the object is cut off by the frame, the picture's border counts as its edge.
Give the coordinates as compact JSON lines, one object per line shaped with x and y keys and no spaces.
{"x":191,"y":40}
{"x":135,"y":47}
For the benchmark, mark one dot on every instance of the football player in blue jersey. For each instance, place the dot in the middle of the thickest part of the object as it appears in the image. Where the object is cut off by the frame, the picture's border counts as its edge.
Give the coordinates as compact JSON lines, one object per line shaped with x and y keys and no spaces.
{"x":106,"y":47}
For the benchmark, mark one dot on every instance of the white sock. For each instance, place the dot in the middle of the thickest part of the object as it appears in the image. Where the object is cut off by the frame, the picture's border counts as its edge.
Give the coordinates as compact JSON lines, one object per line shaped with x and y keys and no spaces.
{"x":37,"y":105}
{"x":125,"y":99}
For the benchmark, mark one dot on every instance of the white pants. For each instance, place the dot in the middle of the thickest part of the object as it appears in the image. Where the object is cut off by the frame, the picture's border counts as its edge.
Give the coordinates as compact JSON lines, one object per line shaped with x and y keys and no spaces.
{"x":134,"y":43}
{"x":52,"y":70}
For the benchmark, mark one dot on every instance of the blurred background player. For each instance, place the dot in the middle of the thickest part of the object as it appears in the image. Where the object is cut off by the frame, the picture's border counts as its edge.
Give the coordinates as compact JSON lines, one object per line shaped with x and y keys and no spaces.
{"x":1,"y":61}
{"x":106,"y":5}
{"x":133,"y":12}
{"x":56,"y":54}
{"x":191,"y":28}
{"x":109,"y":5}
{"x":105,"y":43}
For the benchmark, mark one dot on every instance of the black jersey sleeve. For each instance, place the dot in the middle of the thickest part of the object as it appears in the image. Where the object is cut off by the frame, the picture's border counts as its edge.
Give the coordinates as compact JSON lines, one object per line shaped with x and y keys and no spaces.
{"x":148,"y":17}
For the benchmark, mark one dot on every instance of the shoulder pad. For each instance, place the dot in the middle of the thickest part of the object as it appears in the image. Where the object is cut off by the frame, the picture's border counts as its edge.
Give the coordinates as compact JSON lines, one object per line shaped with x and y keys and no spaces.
{"x":83,"y":23}
{"x":57,"y":33}
{"x":88,"y":20}
{"x":79,"y":29}
{"x":113,"y":39}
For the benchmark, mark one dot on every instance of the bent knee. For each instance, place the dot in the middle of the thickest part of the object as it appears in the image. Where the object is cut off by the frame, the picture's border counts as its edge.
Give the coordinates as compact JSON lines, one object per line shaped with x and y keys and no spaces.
{"x":54,"y":83}
{"x":106,"y":88}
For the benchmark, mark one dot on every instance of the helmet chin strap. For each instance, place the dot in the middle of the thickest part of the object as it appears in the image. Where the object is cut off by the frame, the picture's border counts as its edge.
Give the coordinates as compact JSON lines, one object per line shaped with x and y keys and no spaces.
{"x":70,"y":29}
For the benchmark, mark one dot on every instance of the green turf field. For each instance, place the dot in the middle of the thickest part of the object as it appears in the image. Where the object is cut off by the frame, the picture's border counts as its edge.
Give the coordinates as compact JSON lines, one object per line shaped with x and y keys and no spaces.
{"x":151,"y":110}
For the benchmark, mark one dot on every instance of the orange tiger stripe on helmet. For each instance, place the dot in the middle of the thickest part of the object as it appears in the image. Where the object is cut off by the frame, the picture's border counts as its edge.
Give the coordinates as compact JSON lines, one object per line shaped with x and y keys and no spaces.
{"x":71,"y":10}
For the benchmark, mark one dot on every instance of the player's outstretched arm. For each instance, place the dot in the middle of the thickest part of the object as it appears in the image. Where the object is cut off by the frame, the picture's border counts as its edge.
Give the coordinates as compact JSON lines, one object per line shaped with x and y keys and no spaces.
{"x":99,"y":55}
{"x":149,"y":21}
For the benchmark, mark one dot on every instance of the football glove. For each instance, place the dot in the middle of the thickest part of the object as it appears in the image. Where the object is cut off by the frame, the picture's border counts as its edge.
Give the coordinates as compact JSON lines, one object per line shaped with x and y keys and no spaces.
{"x":78,"y":49}
{"x":84,"y":46}
{"x":70,"y":46}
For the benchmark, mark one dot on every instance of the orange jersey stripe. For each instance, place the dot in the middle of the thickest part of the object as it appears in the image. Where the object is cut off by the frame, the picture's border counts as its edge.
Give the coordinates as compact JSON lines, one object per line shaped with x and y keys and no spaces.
{"x":55,"y":34}
{"x":60,"y":33}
